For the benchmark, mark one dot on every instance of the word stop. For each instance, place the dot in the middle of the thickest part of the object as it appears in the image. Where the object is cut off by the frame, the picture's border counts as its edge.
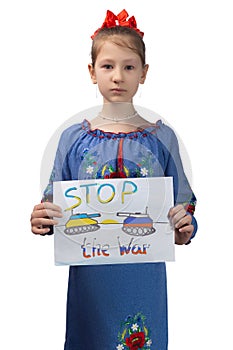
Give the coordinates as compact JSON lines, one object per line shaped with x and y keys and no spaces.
{"x":105,"y":192}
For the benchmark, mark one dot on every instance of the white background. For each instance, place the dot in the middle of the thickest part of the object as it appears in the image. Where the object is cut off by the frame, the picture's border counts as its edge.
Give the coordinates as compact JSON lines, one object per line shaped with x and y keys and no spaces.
{"x":45,"y":48}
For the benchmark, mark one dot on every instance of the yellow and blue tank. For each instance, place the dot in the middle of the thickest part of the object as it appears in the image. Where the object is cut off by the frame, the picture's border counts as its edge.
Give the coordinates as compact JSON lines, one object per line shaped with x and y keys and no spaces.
{"x":81,"y":223}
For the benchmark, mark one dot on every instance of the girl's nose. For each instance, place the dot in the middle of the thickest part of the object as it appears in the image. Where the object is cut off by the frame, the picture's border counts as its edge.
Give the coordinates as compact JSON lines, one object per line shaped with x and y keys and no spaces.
{"x":117,"y":76}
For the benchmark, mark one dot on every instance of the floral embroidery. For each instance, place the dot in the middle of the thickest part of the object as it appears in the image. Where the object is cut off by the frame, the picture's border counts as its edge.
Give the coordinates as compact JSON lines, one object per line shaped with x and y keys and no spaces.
{"x":115,"y":174}
{"x":146,"y":164}
{"x":89,"y":169}
{"x":120,"y":347}
{"x":89,"y":163}
{"x":190,"y":207}
{"x":92,"y":168}
{"x":134,"y":327}
{"x":84,"y":152}
{"x":144,"y":172}
{"x":134,"y":334}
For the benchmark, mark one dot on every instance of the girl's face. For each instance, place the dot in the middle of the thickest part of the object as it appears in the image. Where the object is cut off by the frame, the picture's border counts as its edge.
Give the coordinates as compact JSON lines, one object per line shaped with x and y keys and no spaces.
{"x":118,"y":72}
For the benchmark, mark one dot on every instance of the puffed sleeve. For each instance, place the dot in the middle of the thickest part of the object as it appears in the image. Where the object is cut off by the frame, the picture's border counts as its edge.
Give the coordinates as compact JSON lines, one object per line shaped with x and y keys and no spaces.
{"x":183,"y":193}
{"x":61,"y":170}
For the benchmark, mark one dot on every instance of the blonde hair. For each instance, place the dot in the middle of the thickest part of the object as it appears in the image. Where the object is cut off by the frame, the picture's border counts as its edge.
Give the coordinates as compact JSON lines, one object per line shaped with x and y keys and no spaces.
{"x":122,"y":36}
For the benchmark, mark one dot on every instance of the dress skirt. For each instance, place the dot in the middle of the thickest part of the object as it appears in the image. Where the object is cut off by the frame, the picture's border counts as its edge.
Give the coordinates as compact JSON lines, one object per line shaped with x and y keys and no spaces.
{"x":117,"y":307}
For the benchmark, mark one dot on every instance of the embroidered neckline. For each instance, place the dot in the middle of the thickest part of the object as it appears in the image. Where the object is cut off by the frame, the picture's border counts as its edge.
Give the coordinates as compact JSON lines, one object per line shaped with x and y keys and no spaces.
{"x":108,"y":134}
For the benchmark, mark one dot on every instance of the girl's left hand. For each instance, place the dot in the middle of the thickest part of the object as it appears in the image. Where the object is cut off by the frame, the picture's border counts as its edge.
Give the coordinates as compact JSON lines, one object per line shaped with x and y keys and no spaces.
{"x":181,"y":221}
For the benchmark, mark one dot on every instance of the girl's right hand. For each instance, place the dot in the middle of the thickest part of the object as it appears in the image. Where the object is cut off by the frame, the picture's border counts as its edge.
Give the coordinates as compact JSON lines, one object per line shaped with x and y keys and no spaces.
{"x":43,"y":215}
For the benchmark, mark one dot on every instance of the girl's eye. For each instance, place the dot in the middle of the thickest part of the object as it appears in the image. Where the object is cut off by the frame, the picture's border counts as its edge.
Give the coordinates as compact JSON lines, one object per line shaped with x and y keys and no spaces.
{"x":129,"y":67}
{"x":107,"y":66}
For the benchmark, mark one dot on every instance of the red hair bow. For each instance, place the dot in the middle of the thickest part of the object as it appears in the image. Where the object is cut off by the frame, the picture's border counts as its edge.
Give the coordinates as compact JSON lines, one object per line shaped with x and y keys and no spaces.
{"x":112,"y":20}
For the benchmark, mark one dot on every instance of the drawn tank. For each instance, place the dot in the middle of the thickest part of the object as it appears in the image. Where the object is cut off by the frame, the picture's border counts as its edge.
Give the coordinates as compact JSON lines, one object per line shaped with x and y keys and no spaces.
{"x":81,"y":223}
{"x":137,"y":224}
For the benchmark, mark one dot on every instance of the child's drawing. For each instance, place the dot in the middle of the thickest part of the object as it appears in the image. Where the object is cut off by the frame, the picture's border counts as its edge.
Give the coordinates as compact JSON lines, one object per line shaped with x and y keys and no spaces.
{"x":137,"y":224}
{"x":114,"y":221}
{"x":81,"y":223}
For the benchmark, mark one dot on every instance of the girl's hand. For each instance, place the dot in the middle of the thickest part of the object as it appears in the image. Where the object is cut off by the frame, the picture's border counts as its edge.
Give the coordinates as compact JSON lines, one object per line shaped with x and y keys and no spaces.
{"x":43,"y":215}
{"x":181,"y":221}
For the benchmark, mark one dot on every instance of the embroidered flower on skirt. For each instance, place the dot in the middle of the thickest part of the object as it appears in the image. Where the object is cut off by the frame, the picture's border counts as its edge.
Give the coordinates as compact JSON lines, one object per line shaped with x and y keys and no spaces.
{"x":134,"y":334}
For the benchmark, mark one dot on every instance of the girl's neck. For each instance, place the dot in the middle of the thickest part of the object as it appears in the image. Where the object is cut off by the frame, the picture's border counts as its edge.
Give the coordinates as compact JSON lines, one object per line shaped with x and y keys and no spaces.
{"x":118,"y":111}
{"x":119,"y":117}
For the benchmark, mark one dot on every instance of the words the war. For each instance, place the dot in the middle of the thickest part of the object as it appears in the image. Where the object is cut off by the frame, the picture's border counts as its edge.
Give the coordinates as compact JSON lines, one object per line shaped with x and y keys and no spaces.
{"x":93,"y":249}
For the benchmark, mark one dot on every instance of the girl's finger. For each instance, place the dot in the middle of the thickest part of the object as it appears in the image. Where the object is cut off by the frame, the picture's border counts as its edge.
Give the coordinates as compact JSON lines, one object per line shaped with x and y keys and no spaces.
{"x":43,"y":221}
{"x":40,"y":230}
{"x":46,"y":212}
{"x":47,"y":205}
{"x":186,"y":220}
{"x":173,"y":211}
{"x":186,"y":229}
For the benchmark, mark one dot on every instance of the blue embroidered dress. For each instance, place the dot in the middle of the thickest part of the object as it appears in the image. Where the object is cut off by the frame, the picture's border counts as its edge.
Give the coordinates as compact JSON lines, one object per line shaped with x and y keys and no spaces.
{"x":119,"y":306}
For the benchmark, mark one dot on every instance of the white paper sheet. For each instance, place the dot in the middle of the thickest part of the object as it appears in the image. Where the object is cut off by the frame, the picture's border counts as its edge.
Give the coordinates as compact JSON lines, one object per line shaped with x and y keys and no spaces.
{"x":114,"y":221}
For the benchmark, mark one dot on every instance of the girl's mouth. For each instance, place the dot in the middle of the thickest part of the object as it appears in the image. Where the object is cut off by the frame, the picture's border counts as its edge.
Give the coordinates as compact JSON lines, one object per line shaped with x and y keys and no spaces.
{"x":117,"y":90}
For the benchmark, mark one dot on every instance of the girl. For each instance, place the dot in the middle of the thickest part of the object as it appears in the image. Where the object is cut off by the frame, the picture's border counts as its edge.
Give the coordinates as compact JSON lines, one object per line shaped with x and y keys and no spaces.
{"x":118,"y":306}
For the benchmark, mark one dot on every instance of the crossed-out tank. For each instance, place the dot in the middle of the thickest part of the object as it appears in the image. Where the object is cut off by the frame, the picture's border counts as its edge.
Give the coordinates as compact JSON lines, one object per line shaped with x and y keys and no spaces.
{"x":137,"y":224}
{"x":81,"y":223}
